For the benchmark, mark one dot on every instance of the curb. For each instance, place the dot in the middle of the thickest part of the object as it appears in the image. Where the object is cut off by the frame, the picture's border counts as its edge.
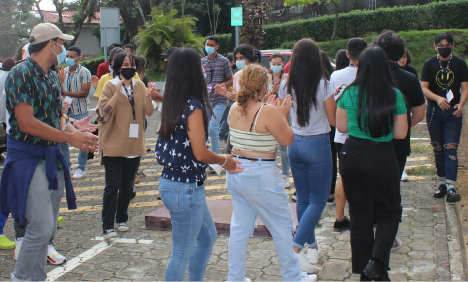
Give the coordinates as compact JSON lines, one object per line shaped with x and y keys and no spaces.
{"x":456,"y":243}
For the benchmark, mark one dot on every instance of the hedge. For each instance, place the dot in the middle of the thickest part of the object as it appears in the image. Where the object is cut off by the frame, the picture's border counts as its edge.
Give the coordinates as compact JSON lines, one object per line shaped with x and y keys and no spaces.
{"x":93,"y":64}
{"x":437,"y":15}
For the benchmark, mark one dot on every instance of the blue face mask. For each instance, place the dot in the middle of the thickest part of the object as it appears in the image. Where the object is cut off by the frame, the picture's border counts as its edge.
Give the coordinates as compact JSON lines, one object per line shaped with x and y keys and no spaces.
{"x":276,"y":69}
{"x":70,"y":62}
{"x":210,"y":50}
{"x":62,"y":56}
{"x":111,"y":69}
{"x":240,"y":64}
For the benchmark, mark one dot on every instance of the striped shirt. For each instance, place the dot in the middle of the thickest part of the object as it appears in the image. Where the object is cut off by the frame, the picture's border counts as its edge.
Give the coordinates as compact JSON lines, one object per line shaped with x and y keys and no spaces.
{"x":73,"y":83}
{"x":217,"y":72}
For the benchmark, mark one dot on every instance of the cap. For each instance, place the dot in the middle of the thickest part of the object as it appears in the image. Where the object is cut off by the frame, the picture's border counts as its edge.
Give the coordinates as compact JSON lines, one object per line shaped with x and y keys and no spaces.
{"x":46,"y":31}
{"x":8,"y":64}
{"x":169,"y":52}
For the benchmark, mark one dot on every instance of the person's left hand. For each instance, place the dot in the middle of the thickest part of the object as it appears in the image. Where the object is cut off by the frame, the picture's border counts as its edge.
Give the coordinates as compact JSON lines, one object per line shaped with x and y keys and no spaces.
{"x":84,"y":124}
{"x":221,"y":89}
{"x":151,"y":89}
{"x":459,"y":110}
{"x":61,"y":74}
{"x":65,"y":106}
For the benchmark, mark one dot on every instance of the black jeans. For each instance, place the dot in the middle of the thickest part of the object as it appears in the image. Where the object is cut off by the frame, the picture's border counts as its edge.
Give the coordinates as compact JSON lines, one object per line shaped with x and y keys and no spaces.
{"x":120,"y":177}
{"x":334,"y":160}
{"x":371,"y":182}
{"x":401,"y":159}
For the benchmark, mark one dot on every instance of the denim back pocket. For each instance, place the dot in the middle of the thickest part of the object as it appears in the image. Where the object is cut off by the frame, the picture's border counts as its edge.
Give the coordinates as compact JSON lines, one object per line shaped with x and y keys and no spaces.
{"x":251,"y":184}
{"x":170,"y":199}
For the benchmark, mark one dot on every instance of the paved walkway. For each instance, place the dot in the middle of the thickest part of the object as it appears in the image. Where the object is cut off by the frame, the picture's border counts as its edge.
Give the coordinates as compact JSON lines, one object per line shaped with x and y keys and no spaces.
{"x":144,"y":255}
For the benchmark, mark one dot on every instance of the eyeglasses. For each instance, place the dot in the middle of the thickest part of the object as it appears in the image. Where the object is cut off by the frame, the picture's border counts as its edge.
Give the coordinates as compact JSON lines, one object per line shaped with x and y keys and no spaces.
{"x":445,"y":46}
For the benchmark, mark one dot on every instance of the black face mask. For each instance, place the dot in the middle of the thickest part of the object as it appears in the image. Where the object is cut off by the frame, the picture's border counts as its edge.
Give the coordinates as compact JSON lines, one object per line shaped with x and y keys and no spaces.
{"x":444,"y":52}
{"x":128,"y":73}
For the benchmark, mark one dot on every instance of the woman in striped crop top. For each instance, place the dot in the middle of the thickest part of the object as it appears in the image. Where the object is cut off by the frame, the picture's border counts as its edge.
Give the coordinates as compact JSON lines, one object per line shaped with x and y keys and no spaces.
{"x":256,"y":129}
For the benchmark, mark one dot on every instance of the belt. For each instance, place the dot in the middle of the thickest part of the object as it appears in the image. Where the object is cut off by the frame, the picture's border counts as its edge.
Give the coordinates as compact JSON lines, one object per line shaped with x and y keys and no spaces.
{"x":257,"y":159}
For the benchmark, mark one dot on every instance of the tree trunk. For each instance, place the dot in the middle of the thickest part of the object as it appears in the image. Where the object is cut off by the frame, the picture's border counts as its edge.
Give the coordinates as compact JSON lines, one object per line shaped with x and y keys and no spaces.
{"x":182,"y":23}
{"x":209,"y":17}
{"x":335,"y":27}
{"x":141,"y":11}
{"x":86,"y":11}
{"x":59,"y":8}
{"x":172,"y":5}
{"x":39,"y":9}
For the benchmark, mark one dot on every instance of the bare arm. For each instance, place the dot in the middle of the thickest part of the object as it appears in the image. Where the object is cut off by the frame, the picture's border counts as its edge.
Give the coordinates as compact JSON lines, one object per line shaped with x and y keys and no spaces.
{"x":196,"y":135}
{"x":149,"y":109}
{"x":80,"y":94}
{"x":463,"y":99}
{"x":417,"y":114}
{"x":441,"y":101}
{"x":229,"y":81}
{"x":400,"y":127}
{"x":341,"y":120}
{"x":330,"y":106}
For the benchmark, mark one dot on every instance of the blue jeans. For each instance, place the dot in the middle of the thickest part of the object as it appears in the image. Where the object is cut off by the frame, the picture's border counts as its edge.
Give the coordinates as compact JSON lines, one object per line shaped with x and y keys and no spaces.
{"x":3,"y":219}
{"x":259,"y":191}
{"x":311,"y":166}
{"x":193,"y":229}
{"x":213,"y":128}
{"x":284,"y":159}
{"x":82,"y":156}
{"x":444,"y":129}
{"x":224,"y":127}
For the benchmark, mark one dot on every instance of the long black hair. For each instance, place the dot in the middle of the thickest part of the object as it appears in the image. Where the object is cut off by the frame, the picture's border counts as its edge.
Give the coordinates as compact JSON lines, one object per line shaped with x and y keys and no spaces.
{"x":377,"y":96}
{"x":304,"y":77}
{"x":341,"y":60}
{"x":326,"y":65}
{"x":184,"y":81}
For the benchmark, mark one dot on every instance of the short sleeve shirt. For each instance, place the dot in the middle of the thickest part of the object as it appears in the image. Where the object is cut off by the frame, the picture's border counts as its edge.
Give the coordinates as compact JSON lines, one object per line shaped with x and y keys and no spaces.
{"x":216,"y":71}
{"x":73,"y":83}
{"x":349,"y":101}
{"x":445,"y":79}
{"x":28,"y":83}
{"x":176,"y":154}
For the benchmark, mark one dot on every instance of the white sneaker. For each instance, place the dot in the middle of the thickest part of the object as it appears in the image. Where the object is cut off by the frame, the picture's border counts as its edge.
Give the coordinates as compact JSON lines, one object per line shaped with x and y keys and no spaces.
{"x":122,"y":227}
{"x":304,"y":265}
{"x":247,"y":279}
{"x":286,"y":182}
{"x":79,"y":174}
{"x":110,"y":233}
{"x":307,"y":277}
{"x":314,"y":255}
{"x":54,"y":257}
{"x":18,"y":243}
{"x":404,"y":176}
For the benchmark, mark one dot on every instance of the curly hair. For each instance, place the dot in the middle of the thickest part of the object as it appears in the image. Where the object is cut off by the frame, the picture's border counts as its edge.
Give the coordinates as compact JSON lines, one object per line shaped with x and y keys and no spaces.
{"x":392,"y":44}
{"x":251,"y":81}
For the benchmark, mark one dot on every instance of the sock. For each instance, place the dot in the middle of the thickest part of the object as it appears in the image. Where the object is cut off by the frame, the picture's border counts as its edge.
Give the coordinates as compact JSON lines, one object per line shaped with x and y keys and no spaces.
{"x":442,"y":182}
{"x":451,"y":186}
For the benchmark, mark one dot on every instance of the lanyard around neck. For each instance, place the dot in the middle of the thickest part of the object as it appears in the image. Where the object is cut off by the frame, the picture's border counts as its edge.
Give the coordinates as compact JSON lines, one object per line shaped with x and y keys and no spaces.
{"x":448,"y":64}
{"x":131,"y":98}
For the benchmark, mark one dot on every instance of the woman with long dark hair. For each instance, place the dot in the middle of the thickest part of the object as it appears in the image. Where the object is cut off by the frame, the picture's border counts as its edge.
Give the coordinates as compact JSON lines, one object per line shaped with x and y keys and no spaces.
{"x":181,"y":148}
{"x":341,"y":59}
{"x":310,"y":154}
{"x":373,"y":111}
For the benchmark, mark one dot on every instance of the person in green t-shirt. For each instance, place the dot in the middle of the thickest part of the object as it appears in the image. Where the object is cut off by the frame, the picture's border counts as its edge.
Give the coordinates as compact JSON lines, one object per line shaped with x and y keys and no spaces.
{"x":373,"y":112}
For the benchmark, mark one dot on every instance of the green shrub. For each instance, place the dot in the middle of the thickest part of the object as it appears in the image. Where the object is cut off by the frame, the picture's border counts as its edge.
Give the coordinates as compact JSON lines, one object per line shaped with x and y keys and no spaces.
{"x":436,"y":15}
{"x":93,"y":64}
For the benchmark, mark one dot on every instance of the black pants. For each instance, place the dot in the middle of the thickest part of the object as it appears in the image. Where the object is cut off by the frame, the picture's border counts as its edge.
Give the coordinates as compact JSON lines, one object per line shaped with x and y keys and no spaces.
{"x":334,"y":160}
{"x":401,"y":159}
{"x":120,"y":177}
{"x":371,"y":180}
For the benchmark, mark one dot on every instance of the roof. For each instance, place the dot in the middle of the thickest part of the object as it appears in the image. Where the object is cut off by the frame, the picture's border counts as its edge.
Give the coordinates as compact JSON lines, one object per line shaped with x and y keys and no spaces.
{"x":67,"y":17}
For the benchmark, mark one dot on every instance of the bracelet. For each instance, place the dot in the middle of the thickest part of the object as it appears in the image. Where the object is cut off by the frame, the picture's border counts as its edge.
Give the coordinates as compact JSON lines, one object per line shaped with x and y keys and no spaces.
{"x":225,"y":160}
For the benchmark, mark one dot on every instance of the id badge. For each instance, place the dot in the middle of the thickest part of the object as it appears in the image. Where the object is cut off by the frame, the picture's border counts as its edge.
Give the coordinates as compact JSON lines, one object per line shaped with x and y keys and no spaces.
{"x":63,"y":123}
{"x":210,"y":87}
{"x":449,"y":96}
{"x":133,"y":132}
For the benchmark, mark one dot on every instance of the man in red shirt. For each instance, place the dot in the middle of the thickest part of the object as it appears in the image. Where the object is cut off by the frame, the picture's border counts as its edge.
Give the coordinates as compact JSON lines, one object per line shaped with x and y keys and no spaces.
{"x":104,"y":67}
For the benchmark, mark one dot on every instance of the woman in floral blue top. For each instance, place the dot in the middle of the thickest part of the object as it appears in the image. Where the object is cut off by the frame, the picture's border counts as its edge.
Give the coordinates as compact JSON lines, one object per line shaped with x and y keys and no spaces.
{"x":181,"y":148}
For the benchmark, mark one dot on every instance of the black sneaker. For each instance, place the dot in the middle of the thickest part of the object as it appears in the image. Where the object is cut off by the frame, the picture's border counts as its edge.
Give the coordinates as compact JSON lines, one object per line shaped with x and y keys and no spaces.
{"x":453,"y":196}
{"x":109,"y":233}
{"x":376,"y":271}
{"x":341,"y":225}
{"x":331,"y":199}
{"x":441,"y":192}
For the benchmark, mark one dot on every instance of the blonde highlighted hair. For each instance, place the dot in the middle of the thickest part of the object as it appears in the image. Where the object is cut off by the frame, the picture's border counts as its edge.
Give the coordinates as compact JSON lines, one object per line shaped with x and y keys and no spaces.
{"x":251,"y":81}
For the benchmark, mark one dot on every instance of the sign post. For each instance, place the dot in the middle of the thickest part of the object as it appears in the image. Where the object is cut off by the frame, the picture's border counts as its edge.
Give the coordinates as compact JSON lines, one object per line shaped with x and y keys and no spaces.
{"x":237,"y":20}
{"x":110,"y":28}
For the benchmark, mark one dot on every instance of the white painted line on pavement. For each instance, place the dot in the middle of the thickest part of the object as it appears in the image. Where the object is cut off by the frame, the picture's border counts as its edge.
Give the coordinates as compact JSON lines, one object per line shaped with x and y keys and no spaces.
{"x":71,"y":264}
{"x":124,"y":240}
{"x":420,"y":139}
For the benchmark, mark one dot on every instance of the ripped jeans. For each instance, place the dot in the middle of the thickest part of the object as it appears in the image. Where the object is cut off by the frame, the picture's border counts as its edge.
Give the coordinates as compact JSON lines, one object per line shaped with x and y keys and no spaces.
{"x":445,"y":130}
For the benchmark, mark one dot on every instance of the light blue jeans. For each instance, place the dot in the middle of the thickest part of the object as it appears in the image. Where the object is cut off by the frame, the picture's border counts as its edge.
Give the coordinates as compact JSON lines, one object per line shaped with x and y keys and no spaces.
{"x":259,"y":191}
{"x":311,"y":166}
{"x":193,"y":229}
{"x":82,"y":156}
{"x":213,"y":128}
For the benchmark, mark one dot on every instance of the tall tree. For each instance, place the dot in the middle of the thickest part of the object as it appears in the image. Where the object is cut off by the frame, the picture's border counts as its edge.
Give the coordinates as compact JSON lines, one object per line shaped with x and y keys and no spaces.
{"x":305,"y":3}
{"x":84,"y":11}
{"x":255,"y":12}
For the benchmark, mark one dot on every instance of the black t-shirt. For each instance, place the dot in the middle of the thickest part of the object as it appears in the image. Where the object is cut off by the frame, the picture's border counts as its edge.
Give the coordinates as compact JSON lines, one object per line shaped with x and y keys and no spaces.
{"x":441,"y":81}
{"x":411,"y":69}
{"x":411,"y":89}
{"x":145,"y":81}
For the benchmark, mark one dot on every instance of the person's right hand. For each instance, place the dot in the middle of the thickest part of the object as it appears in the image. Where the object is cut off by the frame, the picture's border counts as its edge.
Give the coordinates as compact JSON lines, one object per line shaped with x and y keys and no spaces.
{"x":61,"y":74}
{"x":221,"y":89}
{"x":82,"y":139}
{"x":94,"y":81}
{"x":232,"y":165}
{"x":119,"y":86}
{"x":443,"y":103}
{"x":285,"y":106}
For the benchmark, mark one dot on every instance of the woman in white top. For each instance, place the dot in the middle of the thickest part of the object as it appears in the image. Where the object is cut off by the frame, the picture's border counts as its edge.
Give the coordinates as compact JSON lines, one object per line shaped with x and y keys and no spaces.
{"x":310,"y":154}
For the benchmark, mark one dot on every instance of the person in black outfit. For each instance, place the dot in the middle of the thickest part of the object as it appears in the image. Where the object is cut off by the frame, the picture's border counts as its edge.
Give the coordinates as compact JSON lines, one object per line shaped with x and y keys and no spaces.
{"x":444,"y":79}
{"x":405,"y":62}
{"x":394,"y":46}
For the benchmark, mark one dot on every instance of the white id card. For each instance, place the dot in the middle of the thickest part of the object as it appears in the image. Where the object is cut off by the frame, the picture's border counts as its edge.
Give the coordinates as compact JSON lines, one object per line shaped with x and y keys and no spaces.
{"x":216,"y":168}
{"x":160,"y":107}
{"x":449,"y":95}
{"x":69,"y":99}
{"x":133,"y":132}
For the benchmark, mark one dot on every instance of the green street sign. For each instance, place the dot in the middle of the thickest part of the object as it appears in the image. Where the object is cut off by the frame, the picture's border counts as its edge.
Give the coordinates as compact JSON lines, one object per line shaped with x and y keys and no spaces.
{"x":236,"y":16}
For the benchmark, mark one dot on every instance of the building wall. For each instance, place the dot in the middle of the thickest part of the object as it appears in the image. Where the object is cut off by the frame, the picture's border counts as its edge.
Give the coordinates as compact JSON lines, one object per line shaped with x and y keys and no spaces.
{"x":88,"y":43}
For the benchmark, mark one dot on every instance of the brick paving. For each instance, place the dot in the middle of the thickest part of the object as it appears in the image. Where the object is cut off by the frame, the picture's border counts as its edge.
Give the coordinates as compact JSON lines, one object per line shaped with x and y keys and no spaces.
{"x":424,"y":255}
